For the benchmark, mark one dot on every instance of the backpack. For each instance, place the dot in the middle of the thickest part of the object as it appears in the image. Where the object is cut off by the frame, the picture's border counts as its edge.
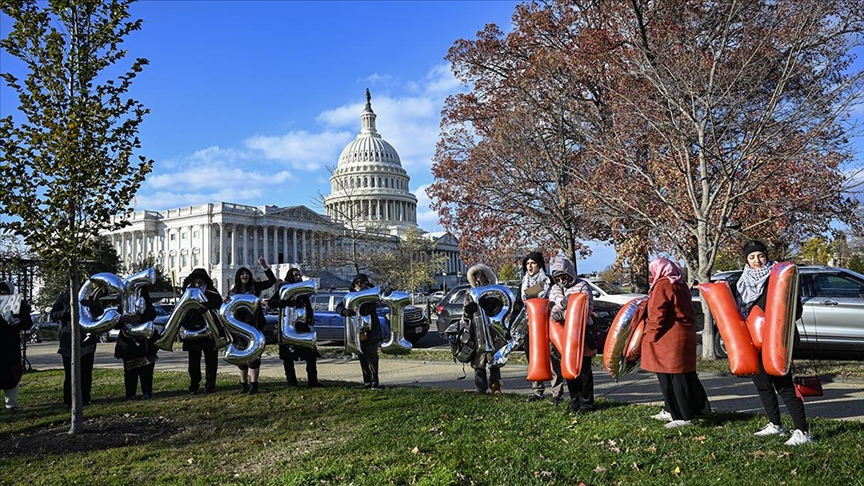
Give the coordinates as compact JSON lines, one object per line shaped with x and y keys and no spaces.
{"x":463,"y":340}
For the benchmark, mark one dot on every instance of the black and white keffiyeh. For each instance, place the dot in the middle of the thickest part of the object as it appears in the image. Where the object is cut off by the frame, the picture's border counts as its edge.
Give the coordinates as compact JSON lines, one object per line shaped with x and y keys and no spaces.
{"x":752,"y":283}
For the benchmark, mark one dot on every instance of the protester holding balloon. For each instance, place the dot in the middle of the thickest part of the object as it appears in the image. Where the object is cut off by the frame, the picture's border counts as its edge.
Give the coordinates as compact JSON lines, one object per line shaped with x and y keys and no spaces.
{"x":11,"y":326}
{"x":371,"y":340}
{"x":752,"y":291}
{"x":138,"y":353}
{"x":480,"y":275}
{"x":566,"y":283}
{"x":536,"y":285}
{"x":288,"y":353}
{"x":669,"y":344}
{"x":61,"y":312}
{"x":195,"y":347}
{"x":244,"y":283}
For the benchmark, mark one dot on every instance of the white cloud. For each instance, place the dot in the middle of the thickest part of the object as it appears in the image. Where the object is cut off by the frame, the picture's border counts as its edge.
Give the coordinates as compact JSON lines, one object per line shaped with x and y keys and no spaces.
{"x":426,"y":217}
{"x":301,"y":149}
{"x":408,"y":118}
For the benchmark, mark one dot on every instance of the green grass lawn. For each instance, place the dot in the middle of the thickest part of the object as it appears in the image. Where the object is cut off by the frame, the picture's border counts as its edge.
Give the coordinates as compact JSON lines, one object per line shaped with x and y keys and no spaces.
{"x":347,"y":435}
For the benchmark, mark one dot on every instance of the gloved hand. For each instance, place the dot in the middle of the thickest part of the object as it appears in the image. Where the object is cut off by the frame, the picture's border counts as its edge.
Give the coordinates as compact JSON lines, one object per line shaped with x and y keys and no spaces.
{"x":471,"y":308}
{"x":346,"y":312}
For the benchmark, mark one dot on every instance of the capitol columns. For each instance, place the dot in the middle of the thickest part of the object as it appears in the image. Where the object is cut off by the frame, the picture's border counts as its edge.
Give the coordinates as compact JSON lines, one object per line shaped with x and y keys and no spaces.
{"x":221,"y":244}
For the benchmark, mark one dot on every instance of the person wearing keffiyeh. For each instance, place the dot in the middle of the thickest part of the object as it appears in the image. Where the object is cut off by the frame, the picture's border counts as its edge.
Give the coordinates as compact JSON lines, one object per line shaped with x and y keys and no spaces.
{"x":752,"y":292}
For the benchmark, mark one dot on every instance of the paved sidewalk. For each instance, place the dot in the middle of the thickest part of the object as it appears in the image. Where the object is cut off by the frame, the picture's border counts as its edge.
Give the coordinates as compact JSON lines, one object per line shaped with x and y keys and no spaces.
{"x":843,"y":399}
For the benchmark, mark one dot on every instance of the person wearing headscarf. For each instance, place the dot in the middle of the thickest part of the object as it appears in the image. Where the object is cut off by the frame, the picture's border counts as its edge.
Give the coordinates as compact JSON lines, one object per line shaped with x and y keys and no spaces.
{"x":536,"y":285}
{"x":752,"y":291}
{"x":669,"y":343}
{"x":371,"y":340}
{"x":204,"y":345}
{"x":61,"y":312}
{"x":11,"y":326}
{"x":566,"y":283}
{"x":245,"y":283}
{"x":289,"y":353}
{"x":139,"y":354}
{"x":480,"y":275}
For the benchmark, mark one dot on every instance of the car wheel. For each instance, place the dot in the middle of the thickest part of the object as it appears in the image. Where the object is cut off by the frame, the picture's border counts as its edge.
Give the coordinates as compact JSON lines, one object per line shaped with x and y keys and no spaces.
{"x":34,"y":337}
{"x":719,"y":345}
{"x":103,"y":338}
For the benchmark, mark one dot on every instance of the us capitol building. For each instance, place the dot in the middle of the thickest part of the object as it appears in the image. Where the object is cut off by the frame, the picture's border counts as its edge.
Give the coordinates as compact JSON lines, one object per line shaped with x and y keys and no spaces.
{"x":369,"y":194}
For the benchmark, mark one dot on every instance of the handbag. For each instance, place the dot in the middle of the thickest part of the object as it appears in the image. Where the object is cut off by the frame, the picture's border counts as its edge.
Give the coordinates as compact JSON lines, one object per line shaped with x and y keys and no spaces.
{"x":807,"y":386}
{"x":811,"y":385}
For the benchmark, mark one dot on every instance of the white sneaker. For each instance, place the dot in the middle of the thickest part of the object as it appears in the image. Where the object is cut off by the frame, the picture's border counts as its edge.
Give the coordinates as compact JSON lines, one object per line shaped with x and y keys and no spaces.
{"x":799,"y":438}
{"x":678,"y":423}
{"x":770,"y":429}
{"x":663,"y":416}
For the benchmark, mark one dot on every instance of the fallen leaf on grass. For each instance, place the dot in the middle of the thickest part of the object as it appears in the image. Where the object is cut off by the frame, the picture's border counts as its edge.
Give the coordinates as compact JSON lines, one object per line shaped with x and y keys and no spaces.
{"x":415,"y":450}
{"x":677,"y":471}
{"x":599,"y":469}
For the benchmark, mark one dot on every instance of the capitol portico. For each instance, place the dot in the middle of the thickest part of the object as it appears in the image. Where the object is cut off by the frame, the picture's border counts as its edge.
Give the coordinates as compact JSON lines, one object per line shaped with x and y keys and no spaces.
{"x":369,"y":192}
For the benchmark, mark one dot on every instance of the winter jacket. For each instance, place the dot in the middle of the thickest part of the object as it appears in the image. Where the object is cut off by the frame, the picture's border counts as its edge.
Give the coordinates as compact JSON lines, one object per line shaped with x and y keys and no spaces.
{"x":10,"y":346}
{"x":669,"y":342}
{"x":559,"y":296}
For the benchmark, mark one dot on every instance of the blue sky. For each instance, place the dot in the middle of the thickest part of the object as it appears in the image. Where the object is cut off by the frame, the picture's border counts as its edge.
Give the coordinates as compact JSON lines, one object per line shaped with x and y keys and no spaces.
{"x":252,"y":101}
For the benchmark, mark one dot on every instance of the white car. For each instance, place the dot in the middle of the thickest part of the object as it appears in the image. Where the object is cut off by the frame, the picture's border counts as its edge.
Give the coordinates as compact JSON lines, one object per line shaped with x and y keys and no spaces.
{"x":606,"y":292}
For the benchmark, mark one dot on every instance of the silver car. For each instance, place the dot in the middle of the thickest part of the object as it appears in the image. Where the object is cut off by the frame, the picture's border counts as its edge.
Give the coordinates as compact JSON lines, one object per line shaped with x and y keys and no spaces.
{"x":833,"y":316}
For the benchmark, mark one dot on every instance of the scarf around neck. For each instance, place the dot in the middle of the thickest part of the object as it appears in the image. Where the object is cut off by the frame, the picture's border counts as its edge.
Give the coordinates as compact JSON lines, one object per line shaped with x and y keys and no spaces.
{"x":752,"y":283}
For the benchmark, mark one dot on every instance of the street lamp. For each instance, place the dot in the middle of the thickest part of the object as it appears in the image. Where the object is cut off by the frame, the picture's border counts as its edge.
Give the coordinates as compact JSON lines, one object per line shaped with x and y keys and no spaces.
{"x":444,"y":280}
{"x":459,"y":277}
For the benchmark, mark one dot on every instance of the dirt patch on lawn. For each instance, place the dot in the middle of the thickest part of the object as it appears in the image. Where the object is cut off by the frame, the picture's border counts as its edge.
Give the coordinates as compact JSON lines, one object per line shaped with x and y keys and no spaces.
{"x":99,"y":433}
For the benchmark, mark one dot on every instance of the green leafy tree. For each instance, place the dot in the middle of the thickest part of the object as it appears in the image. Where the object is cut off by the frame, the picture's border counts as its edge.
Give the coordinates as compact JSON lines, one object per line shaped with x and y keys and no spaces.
{"x":411,"y":265}
{"x":508,"y":272}
{"x":815,"y":251}
{"x":69,"y":149}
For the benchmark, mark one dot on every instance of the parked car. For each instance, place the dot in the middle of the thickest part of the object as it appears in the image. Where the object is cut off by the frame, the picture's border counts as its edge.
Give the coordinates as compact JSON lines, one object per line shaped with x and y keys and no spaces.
{"x":44,"y":330}
{"x":606,"y":292}
{"x":435,"y":297}
{"x":450,"y":310}
{"x":832,"y":321}
{"x":162,"y":315}
{"x":330,"y":326}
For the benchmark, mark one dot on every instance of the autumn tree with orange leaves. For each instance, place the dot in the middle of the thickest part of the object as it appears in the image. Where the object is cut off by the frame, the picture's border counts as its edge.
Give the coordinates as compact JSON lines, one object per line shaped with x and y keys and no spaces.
{"x":683,"y":127}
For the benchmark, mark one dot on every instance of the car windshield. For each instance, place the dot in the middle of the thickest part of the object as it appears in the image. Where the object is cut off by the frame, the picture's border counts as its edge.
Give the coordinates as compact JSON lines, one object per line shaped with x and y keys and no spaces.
{"x":160,"y":311}
{"x":607,"y":287}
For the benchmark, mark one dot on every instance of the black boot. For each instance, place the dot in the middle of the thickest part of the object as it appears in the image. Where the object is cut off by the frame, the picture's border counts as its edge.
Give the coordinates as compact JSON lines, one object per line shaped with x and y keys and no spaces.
{"x":253,"y":388}
{"x":244,"y":387}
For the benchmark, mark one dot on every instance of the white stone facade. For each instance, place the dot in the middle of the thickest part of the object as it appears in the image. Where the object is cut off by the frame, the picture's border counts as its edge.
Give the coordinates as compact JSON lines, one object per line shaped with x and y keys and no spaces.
{"x":222,"y":237}
{"x":369,"y":188}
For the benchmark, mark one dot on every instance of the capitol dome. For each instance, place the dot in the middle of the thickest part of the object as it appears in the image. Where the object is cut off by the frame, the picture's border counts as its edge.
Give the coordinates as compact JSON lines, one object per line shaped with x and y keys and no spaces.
{"x":369,"y":187}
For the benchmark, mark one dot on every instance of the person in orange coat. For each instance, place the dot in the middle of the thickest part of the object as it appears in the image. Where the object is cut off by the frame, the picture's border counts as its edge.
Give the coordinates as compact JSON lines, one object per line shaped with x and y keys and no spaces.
{"x":669,"y":344}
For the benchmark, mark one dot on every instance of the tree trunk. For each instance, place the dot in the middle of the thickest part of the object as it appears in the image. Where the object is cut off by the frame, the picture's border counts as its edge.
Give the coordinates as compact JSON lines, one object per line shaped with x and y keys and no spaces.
{"x":77,"y":426}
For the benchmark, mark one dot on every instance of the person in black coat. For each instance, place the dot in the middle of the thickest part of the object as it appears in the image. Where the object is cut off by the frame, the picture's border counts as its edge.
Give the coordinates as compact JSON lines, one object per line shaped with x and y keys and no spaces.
{"x":10,"y":348}
{"x":195,"y":347}
{"x":288,"y":353}
{"x":244,"y":283}
{"x":752,"y":291}
{"x":372,"y":339}
{"x":138,"y":353}
{"x":61,"y":312}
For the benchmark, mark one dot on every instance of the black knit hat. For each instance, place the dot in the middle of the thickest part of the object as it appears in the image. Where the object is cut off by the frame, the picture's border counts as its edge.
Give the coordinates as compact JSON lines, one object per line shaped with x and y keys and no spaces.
{"x":196,"y":274}
{"x":538,"y":259}
{"x":359,"y":278}
{"x":754,"y":245}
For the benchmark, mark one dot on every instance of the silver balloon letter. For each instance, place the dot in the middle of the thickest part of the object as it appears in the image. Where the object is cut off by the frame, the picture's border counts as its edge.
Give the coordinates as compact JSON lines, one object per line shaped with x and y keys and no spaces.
{"x":288,"y":334}
{"x":397,"y":344}
{"x":240,"y":331}
{"x":357,"y":324}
